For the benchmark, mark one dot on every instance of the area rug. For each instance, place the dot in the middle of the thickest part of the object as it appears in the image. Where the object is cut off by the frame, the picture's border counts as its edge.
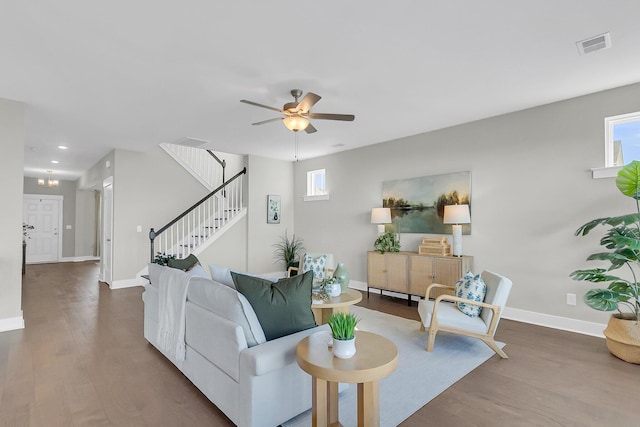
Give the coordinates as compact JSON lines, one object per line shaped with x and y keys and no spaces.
{"x":420,"y":375}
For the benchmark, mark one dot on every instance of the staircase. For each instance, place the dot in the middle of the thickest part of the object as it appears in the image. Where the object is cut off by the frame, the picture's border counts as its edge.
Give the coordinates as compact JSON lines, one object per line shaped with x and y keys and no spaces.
{"x":200,"y":225}
{"x":204,"y":165}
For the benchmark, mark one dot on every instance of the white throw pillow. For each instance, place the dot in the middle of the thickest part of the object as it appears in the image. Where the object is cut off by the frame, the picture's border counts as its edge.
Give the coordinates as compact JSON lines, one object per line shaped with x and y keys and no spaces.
{"x":317,"y":265}
{"x":227,"y":303}
{"x":472,"y":288}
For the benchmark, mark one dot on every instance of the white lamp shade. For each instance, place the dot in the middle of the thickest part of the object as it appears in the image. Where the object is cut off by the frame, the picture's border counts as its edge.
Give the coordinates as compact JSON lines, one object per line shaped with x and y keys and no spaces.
{"x":457,"y":214}
{"x":380,"y":216}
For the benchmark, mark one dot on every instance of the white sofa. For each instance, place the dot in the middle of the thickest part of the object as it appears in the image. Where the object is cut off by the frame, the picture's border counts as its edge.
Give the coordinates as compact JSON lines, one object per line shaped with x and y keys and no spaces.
{"x":253,"y":381}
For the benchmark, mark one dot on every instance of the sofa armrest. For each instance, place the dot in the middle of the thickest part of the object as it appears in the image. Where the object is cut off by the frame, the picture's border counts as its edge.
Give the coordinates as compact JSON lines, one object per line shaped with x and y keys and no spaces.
{"x":273,"y":355}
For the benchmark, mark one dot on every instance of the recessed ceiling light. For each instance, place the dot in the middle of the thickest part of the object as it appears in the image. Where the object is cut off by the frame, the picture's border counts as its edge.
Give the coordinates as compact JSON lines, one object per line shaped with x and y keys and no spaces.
{"x":63,"y":147}
{"x":55,"y":162}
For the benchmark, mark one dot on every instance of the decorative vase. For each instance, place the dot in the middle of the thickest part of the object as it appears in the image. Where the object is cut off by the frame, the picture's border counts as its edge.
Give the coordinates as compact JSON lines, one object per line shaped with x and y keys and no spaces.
{"x":623,"y":338}
{"x":344,"y":349}
{"x":342,"y":276}
{"x":334,"y":290}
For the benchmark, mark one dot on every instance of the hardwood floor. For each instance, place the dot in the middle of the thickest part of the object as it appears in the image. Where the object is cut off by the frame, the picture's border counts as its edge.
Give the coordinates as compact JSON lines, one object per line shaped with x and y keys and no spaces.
{"x":82,"y":361}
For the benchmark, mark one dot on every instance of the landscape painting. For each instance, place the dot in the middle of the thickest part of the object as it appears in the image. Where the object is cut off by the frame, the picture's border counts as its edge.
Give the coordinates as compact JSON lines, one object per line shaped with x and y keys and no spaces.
{"x":417,"y":204}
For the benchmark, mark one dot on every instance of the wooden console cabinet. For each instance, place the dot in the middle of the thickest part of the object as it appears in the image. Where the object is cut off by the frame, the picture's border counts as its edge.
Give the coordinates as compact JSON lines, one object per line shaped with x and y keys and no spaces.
{"x":411,"y":273}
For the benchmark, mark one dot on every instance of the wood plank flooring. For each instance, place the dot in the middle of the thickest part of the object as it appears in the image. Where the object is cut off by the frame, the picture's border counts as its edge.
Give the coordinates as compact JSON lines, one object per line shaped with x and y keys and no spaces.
{"x":82,"y":361}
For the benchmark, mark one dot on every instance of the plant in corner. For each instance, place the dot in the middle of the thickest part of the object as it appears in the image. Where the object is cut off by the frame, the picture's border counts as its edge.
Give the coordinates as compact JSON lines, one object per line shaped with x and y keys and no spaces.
{"x":287,"y":250}
{"x":387,"y":242}
{"x":26,"y":228}
{"x":623,"y":243}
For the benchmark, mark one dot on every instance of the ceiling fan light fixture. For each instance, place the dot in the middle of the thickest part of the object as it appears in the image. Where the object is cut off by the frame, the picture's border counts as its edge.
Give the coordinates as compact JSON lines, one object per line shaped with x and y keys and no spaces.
{"x":295,"y":123}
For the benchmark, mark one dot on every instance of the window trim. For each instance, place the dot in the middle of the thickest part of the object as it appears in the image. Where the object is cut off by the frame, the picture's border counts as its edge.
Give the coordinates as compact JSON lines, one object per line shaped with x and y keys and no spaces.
{"x":610,"y":170}
{"x":311,"y":195}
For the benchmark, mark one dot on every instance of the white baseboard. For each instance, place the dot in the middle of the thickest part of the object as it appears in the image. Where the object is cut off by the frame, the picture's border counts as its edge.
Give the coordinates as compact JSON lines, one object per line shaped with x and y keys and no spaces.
{"x":524,"y":316}
{"x":79,"y":258}
{"x":11,"y":324}
{"x":128,"y":283}
{"x":555,"y":322}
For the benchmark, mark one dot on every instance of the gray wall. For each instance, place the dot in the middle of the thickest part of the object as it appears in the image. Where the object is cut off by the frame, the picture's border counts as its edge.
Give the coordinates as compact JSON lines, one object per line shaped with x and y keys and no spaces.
{"x":531,"y":189}
{"x":149,"y":189}
{"x":267,"y":176}
{"x":66,"y":189}
{"x":11,"y":174}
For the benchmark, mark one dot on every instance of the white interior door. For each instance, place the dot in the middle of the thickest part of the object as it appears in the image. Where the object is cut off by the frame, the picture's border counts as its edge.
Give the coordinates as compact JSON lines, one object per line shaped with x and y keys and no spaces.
{"x":44,"y":212}
{"x":106,"y":260}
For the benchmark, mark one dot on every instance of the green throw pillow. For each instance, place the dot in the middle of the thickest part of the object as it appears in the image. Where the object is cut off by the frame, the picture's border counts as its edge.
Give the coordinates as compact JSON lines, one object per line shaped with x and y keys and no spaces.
{"x":283,"y":307}
{"x":183,"y":264}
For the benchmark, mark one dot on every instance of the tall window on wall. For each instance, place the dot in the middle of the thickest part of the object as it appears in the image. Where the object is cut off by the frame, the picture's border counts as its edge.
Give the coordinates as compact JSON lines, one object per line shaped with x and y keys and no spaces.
{"x":622,"y":139}
{"x":316,"y":185}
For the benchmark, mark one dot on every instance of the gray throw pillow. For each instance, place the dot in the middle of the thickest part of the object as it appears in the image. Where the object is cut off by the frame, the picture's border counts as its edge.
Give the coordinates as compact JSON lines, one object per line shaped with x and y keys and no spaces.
{"x":183,"y":264}
{"x":284,"y":307}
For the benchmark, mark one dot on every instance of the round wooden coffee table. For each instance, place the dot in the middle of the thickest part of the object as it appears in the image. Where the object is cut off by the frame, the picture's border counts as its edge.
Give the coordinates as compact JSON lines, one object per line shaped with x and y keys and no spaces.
{"x":339,"y":304}
{"x":375,"y":358}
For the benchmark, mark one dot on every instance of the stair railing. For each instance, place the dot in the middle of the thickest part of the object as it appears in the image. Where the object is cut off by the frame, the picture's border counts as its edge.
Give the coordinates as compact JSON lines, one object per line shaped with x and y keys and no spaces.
{"x":189,"y":229}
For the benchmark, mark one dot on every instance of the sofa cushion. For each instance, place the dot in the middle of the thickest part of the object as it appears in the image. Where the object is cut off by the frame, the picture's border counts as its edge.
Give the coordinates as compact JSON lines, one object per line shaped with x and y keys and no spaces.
{"x":183,"y":264}
{"x":223,"y":275}
{"x":284,"y":307}
{"x":472,"y":288}
{"x":227,"y":303}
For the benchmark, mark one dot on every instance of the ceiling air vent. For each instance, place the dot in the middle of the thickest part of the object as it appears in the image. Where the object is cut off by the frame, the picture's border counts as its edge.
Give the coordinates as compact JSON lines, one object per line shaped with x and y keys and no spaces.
{"x":603,"y":41}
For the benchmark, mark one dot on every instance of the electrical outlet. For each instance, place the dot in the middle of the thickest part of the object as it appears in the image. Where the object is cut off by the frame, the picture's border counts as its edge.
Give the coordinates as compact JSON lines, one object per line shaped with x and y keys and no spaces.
{"x":571,"y":299}
{"x":139,"y":229}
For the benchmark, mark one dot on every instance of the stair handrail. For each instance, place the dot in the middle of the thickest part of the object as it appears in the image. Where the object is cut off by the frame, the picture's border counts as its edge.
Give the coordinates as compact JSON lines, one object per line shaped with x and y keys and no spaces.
{"x":153,"y":234}
{"x":222,"y":163}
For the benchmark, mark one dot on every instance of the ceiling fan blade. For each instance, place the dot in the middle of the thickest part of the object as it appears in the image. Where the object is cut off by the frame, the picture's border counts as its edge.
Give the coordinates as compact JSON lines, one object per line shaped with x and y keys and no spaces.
{"x":261,"y":105}
{"x":307,"y":102}
{"x":310,"y":129}
{"x":267,"y":121}
{"x":325,"y":116}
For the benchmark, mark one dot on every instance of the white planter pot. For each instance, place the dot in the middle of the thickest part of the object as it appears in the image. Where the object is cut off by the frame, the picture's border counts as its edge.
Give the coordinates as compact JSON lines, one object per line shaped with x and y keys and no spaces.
{"x":344,"y":349}
{"x":334,"y":290}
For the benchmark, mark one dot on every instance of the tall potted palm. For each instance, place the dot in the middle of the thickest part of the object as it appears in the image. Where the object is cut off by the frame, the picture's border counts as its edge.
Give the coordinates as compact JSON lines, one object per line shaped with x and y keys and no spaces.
{"x":622,"y":295}
{"x":287,"y":250}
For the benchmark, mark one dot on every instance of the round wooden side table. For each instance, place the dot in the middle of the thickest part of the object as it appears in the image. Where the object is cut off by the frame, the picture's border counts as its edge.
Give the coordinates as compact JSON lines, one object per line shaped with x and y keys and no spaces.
{"x":339,"y":304}
{"x":375,"y":358}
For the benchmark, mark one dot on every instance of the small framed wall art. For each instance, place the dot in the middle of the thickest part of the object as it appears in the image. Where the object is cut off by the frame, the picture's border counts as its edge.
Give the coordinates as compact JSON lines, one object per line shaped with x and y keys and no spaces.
{"x":273,"y":209}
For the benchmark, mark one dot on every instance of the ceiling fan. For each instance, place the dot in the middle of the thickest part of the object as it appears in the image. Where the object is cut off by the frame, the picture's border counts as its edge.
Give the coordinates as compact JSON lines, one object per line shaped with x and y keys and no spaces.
{"x":297,"y":114}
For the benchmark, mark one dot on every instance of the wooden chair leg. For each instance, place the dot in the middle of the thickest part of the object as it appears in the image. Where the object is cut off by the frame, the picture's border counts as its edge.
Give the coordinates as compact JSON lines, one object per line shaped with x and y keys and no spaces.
{"x":494,"y":346}
{"x":422,"y":326}
{"x":432,"y":339}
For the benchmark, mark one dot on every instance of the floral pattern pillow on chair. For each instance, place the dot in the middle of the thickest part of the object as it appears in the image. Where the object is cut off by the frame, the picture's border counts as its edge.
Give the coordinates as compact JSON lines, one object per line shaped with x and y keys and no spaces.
{"x":317,"y":265}
{"x":473,"y":288}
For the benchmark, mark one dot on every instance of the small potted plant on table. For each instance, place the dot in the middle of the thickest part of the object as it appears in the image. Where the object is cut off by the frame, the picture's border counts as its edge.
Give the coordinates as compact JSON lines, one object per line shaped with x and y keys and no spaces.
{"x":343,"y":327}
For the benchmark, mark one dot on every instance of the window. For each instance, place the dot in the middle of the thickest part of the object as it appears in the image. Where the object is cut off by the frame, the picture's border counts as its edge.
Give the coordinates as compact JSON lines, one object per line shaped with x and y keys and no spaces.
{"x":623,"y":139}
{"x":622,"y":143}
{"x":316,"y":185}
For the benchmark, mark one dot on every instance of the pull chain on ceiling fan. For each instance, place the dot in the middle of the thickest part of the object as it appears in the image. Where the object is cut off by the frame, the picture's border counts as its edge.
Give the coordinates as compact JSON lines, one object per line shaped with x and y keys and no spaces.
{"x":297,"y":114}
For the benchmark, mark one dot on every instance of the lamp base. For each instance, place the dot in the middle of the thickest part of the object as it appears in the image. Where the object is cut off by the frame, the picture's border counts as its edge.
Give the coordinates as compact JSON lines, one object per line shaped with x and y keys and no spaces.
{"x":456,"y":241}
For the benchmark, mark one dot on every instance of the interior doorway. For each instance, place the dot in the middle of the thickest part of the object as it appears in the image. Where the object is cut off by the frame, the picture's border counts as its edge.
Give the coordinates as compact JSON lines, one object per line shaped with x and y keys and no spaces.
{"x":106,"y":259}
{"x":44,"y":212}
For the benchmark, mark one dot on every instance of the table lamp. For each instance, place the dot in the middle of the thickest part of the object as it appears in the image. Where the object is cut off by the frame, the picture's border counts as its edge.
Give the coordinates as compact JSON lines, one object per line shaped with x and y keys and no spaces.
{"x":381,"y":216}
{"x":456,"y":215}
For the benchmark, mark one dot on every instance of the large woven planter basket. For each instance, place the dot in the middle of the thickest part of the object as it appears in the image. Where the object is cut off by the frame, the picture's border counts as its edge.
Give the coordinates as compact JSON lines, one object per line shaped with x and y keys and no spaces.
{"x":623,"y":338}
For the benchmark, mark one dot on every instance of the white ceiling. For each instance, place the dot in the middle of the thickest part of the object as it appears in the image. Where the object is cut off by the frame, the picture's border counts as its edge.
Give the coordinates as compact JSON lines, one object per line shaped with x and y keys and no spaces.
{"x":132,"y":74}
